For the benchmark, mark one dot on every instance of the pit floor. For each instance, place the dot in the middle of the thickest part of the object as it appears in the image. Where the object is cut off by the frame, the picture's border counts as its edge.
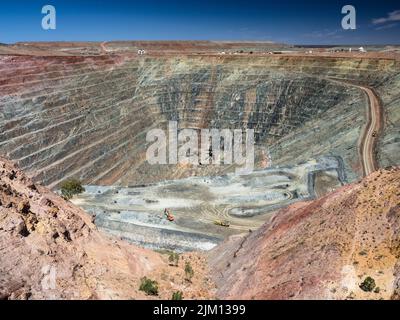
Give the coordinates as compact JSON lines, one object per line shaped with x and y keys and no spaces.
{"x":199,"y":203}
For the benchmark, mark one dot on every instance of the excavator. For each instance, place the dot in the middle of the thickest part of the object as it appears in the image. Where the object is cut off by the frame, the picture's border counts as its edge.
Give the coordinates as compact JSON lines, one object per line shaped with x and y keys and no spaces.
{"x":168,"y":215}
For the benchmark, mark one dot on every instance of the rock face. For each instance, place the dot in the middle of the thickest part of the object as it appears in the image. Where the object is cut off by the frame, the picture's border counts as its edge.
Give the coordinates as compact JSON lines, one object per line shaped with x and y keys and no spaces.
{"x":68,"y":114}
{"x":324,"y":249}
{"x":389,"y":146}
{"x":49,"y":249}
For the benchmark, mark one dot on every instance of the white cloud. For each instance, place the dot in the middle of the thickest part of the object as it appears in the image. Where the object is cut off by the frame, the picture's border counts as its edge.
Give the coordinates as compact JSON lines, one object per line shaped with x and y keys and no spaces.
{"x":387,"y":26}
{"x":392,"y":16}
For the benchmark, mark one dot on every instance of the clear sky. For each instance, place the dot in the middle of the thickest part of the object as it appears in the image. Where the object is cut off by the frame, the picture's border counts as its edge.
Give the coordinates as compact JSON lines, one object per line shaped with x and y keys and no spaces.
{"x":289,"y":21}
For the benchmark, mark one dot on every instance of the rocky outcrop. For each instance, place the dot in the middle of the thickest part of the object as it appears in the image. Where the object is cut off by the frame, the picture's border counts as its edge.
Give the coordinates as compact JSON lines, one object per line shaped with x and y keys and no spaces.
{"x":324,"y":249}
{"x":50,"y":249}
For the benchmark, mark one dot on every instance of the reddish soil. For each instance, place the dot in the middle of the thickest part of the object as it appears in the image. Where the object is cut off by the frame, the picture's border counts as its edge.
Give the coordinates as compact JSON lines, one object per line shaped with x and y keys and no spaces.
{"x":323,"y":249}
{"x":40,"y":232}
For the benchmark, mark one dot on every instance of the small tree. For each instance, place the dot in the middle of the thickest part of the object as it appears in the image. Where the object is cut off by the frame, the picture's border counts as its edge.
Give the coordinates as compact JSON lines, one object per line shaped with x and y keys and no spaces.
{"x":189,"y":273}
{"x":150,"y":287}
{"x":173,"y":259}
{"x":71,"y":187}
{"x":368,"y":284}
{"x":177,"y":295}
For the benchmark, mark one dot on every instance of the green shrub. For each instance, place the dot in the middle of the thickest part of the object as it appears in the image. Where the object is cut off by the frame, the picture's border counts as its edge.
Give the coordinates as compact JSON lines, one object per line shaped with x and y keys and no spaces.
{"x":368,"y":284}
{"x":173,"y":259}
{"x":71,"y":187}
{"x":150,"y":287}
{"x":189,"y":273}
{"x":178,"y":295}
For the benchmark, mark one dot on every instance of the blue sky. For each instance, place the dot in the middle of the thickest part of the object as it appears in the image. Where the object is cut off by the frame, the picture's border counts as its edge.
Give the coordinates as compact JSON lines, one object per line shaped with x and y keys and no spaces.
{"x":289,"y":21}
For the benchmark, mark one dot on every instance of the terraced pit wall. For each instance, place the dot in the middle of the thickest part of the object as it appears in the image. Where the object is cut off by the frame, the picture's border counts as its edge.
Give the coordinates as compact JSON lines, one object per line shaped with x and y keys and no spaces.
{"x":87,"y":116}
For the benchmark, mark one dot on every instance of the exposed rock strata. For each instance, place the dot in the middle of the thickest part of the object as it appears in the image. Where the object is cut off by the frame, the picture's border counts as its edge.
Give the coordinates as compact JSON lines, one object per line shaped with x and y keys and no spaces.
{"x":323,"y":249}
{"x":87,"y":116}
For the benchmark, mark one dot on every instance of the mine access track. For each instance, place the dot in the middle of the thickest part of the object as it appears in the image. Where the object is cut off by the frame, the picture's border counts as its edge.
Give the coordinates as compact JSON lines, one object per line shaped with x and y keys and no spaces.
{"x":371,"y":130}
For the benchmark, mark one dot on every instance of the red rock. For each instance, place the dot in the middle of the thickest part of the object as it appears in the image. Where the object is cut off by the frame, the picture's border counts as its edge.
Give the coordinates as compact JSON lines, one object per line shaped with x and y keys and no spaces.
{"x":57,"y":241}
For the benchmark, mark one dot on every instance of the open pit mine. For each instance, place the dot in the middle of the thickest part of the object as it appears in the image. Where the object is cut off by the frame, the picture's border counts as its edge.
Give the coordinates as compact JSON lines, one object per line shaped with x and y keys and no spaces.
{"x":317,"y":218}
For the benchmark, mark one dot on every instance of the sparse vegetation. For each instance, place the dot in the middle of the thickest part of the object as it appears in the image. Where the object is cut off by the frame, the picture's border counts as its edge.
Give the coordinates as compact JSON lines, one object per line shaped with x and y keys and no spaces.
{"x":368,"y":284}
{"x":189,"y":273}
{"x":363,"y":253}
{"x":173,"y":259}
{"x":71,"y":187}
{"x":163,"y":251}
{"x":150,"y":287}
{"x":177,"y":295}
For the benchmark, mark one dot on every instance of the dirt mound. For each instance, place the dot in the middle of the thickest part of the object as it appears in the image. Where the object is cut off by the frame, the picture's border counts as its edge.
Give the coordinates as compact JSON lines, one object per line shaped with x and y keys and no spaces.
{"x":342,"y":246}
{"x":50,"y":249}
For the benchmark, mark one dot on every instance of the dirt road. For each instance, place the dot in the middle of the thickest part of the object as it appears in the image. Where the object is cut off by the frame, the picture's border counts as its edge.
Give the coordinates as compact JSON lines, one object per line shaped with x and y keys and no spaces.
{"x":371,"y":131}
{"x":103,"y":47}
